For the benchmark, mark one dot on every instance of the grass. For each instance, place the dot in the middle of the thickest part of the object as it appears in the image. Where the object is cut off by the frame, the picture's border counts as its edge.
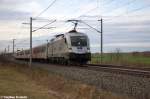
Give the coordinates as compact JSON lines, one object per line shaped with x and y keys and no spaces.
{"x":35,"y":83}
{"x":14,"y":83}
{"x":123,"y":59}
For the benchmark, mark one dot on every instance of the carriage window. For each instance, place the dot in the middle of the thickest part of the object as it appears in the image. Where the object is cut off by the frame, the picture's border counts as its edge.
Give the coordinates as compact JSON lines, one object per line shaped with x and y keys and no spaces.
{"x":79,"y":41}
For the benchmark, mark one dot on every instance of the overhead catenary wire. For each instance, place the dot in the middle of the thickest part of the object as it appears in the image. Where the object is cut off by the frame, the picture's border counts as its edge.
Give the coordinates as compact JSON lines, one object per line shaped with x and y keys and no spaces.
{"x":97,"y":6}
{"x":120,"y":15}
{"x":126,"y":4}
{"x":83,"y":14}
{"x":89,"y":26}
{"x":50,"y":5}
{"x":132,"y":11}
{"x":44,"y":26}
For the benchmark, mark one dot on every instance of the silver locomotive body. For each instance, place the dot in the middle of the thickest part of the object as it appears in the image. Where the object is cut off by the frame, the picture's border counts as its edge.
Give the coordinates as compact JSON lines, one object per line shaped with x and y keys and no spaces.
{"x":72,"y":47}
{"x":64,"y":48}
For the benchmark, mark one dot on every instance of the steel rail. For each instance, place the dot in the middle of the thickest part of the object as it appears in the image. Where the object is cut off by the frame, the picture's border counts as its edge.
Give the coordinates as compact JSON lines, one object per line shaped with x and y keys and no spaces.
{"x":120,"y":69}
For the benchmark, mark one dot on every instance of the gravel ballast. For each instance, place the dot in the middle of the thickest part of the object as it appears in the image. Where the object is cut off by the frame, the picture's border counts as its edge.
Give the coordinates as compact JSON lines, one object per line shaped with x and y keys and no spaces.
{"x":130,"y":85}
{"x":138,"y":87}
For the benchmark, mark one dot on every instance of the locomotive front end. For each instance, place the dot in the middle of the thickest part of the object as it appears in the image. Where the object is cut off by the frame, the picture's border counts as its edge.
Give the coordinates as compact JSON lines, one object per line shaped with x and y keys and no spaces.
{"x":79,"y":49}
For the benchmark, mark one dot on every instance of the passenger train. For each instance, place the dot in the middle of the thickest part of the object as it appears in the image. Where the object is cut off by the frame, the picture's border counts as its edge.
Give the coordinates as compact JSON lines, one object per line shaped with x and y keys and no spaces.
{"x":71,"y":47}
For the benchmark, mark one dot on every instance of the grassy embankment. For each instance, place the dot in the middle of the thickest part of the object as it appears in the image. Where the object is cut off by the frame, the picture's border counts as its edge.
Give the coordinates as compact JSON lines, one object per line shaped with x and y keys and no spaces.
{"x":127,"y":59}
{"x":35,"y":83}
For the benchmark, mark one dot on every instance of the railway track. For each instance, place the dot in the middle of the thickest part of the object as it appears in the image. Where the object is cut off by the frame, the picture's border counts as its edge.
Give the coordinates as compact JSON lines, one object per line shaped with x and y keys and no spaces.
{"x":120,"y":69}
{"x":140,"y":72}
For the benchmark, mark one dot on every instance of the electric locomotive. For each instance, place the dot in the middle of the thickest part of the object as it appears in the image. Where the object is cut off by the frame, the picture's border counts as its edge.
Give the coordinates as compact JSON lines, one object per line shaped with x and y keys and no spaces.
{"x":70,"y":47}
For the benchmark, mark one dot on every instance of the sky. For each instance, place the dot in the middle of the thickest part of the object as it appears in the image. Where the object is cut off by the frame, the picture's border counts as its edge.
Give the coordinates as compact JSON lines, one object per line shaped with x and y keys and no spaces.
{"x":125,"y":22}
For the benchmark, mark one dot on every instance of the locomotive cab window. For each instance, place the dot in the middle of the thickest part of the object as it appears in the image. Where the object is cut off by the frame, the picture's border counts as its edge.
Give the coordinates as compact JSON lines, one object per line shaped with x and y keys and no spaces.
{"x":79,"y":41}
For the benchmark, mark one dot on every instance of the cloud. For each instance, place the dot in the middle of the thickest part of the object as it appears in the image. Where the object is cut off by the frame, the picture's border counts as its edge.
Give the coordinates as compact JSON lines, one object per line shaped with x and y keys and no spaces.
{"x":13,"y":15}
{"x":12,"y":9}
{"x":121,"y":29}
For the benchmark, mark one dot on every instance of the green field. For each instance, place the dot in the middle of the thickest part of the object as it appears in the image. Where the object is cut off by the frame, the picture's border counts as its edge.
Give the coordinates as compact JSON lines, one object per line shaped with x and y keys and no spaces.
{"x":124,"y":59}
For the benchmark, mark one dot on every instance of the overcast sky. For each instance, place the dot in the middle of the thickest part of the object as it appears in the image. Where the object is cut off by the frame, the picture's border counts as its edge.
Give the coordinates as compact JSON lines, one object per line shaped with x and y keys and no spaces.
{"x":126,"y":22}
